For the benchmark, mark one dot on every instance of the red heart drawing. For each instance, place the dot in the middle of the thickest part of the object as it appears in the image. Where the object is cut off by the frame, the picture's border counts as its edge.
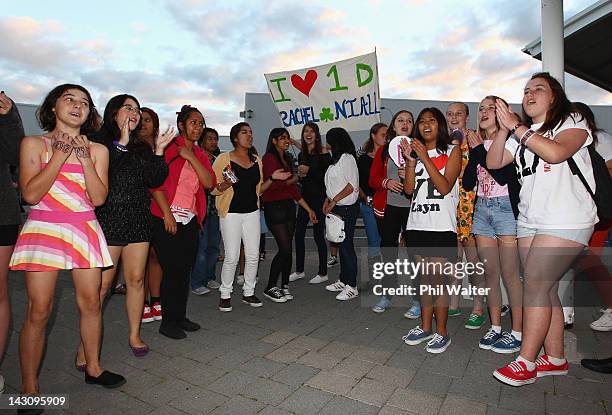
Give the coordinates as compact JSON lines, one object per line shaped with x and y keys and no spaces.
{"x":440,"y":161}
{"x":304,"y":85}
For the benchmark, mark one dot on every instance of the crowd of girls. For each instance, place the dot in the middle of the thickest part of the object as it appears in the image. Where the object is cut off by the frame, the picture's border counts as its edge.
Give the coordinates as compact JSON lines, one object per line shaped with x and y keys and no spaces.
{"x":120,"y":191}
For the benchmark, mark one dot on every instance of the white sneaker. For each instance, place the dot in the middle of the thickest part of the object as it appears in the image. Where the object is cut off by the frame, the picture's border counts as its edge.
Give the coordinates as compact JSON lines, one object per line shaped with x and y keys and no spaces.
{"x":348,"y":293}
{"x":296,"y":276}
{"x":318,"y":279}
{"x":335,"y":287}
{"x":287,"y":293}
{"x":201,"y":290}
{"x":603,"y":323}
{"x":213,"y":285}
{"x":1,"y":384}
{"x":240,"y":279}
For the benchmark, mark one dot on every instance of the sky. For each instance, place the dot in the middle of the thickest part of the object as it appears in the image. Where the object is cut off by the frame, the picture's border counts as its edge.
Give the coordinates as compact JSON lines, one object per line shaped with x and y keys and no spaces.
{"x":210,"y":53}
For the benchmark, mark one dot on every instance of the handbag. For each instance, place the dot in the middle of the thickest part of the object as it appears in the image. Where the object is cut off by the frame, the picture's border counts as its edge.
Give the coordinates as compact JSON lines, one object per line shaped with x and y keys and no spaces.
{"x":334,"y":228}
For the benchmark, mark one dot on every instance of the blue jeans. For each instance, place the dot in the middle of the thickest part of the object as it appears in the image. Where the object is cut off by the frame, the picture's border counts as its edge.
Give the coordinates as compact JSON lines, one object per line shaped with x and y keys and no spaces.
{"x":369,"y":221}
{"x":346,"y":248}
{"x":208,"y":252}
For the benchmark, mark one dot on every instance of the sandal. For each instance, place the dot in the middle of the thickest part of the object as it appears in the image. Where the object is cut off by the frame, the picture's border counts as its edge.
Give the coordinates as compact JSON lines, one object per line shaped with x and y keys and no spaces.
{"x":118,"y":289}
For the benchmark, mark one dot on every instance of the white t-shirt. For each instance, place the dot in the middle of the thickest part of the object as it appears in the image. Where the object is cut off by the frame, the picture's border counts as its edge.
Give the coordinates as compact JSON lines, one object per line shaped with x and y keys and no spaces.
{"x":430,"y":211}
{"x":338,"y":175}
{"x":552,"y":197}
{"x":604,"y":145}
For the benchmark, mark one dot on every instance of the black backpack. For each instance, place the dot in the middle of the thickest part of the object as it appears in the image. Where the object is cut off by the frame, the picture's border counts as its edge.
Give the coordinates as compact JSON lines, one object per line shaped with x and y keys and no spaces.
{"x":603,"y":183}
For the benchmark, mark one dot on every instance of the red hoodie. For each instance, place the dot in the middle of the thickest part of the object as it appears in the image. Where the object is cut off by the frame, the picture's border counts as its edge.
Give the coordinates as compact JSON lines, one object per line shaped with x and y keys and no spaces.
{"x":175,"y":166}
{"x":378,"y":182}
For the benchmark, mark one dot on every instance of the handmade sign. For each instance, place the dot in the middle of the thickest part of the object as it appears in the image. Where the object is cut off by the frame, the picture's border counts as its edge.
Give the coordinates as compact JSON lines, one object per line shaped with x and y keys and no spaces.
{"x":340,"y":94}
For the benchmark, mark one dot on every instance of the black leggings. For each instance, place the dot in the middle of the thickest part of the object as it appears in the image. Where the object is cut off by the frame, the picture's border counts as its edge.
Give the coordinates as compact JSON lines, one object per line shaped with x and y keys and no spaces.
{"x":280,"y":218}
{"x":318,"y":229}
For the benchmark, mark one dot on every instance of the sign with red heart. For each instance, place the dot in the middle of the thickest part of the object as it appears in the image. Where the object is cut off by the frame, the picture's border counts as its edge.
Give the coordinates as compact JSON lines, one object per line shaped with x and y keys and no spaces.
{"x":304,"y":85}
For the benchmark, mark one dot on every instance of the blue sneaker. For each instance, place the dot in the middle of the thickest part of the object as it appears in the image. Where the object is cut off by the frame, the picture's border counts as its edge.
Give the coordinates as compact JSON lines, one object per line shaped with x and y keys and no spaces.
{"x":382,"y":305}
{"x":489,"y":339}
{"x":414,"y":312}
{"x":438,"y":344}
{"x":507,"y":344}
{"x":416,"y":336}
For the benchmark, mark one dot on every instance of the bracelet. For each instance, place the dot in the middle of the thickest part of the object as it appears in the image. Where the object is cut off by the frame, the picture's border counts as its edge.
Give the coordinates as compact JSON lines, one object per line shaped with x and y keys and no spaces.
{"x":119,"y":147}
{"x":514,"y":128}
{"x":525,"y":137}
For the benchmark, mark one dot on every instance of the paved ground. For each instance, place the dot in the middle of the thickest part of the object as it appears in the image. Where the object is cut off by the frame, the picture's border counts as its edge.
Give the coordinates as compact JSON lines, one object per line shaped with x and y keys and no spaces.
{"x":311,"y":355}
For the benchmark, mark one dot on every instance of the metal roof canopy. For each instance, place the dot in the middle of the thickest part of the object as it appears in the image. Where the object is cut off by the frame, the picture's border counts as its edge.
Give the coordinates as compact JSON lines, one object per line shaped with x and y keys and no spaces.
{"x":587,"y":38}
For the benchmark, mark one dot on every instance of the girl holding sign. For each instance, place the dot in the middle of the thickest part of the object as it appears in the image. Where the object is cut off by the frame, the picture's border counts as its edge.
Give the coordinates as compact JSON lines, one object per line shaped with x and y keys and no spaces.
{"x":431,"y":230}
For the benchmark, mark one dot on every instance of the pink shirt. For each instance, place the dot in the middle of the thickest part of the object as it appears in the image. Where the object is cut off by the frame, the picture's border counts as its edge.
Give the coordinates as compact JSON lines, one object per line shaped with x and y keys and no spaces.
{"x":184,"y":198}
{"x":487,"y":186}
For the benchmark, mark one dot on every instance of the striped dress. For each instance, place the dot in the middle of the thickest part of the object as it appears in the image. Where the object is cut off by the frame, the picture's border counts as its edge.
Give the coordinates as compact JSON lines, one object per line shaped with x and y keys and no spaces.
{"x":62,"y":231}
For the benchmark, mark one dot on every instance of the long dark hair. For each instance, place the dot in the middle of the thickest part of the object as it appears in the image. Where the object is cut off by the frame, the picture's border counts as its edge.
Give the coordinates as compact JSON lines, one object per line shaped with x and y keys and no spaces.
{"x":110,"y":131}
{"x":318,"y":147}
{"x":368,"y":147}
{"x":589,"y":117}
{"x":442,"y":140}
{"x":46,"y":115}
{"x":560,"y":109}
{"x":275,"y":133}
{"x":340,"y":142}
{"x":234,"y":135}
{"x":391,"y":133}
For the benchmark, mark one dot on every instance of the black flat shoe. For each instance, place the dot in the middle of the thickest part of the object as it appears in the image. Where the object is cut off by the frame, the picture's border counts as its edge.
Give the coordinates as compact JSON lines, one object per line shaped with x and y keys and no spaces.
{"x":171,"y":331}
{"x":189,"y":325}
{"x":31,"y":411}
{"x":598,"y":365}
{"x":107,"y":379}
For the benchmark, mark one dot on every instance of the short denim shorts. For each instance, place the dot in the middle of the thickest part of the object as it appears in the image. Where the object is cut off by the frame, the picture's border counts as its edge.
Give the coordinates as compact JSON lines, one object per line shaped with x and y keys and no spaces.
{"x":493,"y":216}
{"x":582,"y":236}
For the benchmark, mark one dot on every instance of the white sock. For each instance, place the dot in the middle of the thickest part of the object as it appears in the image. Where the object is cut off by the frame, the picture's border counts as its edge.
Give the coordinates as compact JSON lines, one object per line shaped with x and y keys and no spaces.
{"x":496,"y":329}
{"x":517,"y":335}
{"x":556,"y":361}
{"x":530,"y":365}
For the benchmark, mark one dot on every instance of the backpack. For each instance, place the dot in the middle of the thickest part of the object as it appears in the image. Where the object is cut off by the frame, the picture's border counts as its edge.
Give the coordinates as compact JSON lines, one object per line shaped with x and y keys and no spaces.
{"x":603,"y":183}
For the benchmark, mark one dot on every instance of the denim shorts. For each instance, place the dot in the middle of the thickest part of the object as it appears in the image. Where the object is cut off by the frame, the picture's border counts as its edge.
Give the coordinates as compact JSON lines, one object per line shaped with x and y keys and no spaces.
{"x":582,"y":236}
{"x":493,"y":216}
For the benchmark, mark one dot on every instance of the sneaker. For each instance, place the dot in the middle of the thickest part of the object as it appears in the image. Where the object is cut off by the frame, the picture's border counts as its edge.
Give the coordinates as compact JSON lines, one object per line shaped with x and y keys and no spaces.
{"x":507,"y":344}
{"x":332,"y":261}
{"x":382,"y":305}
{"x":1,"y":384}
{"x":489,"y":339}
{"x":156,"y":310}
{"x":348,"y":293}
{"x":417,"y":336}
{"x":225,"y":304}
{"x":454,"y":313}
{"x":200,"y":290}
{"x":240,"y":279}
{"x":414,"y":312}
{"x":545,"y":368}
{"x":213,"y":285}
{"x":515,"y":374}
{"x":252,"y":301}
{"x":296,"y":276}
{"x":505,"y":309}
{"x":318,"y":279}
{"x":287,"y":293}
{"x":335,"y":287}
{"x":262,"y":256}
{"x":147,"y":316}
{"x":276,"y":295}
{"x":603,"y":323}
{"x":474,"y":321}
{"x":438,"y":344}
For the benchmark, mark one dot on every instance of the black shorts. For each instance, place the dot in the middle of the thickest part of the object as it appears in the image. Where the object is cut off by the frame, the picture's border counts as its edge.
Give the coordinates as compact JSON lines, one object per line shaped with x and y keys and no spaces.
{"x":432,"y":244}
{"x":8,"y":234}
{"x":280,"y":212}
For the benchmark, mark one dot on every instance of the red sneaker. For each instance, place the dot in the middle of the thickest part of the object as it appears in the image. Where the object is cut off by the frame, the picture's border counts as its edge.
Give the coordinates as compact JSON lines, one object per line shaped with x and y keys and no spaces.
{"x":156,"y":310}
{"x":545,"y":368}
{"x":147,"y":315}
{"x":515,"y":374}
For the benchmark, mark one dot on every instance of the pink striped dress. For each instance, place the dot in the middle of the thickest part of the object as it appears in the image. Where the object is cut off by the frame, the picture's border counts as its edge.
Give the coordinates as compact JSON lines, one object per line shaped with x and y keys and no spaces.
{"x":62,"y":231}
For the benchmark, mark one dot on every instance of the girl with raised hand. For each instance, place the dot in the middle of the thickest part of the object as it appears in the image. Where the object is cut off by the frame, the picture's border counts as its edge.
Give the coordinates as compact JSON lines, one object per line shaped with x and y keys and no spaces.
{"x":342,"y":188}
{"x":241,"y":180}
{"x":279,"y":209}
{"x":497,"y":193}
{"x":64,"y":176}
{"x":125,"y":216}
{"x":313,"y":162}
{"x":431,"y":230}
{"x":179,"y":207}
{"x":556,"y":215}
